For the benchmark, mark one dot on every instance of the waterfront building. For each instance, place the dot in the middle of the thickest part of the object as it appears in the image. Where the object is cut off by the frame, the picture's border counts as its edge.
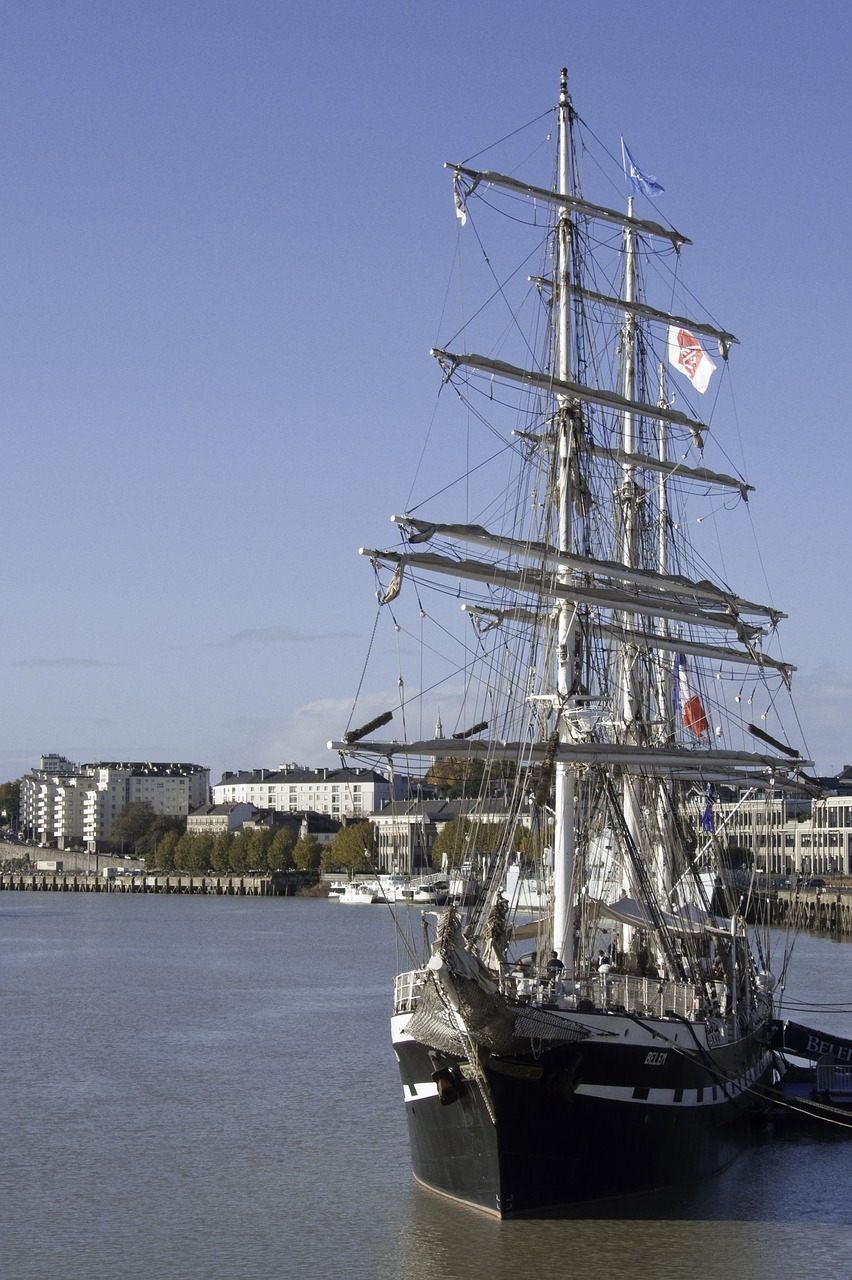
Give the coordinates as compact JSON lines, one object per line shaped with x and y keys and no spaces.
{"x":406,"y":830}
{"x":791,"y":834}
{"x":340,"y":793}
{"x":319,"y":826}
{"x":217,"y":818}
{"x":63,"y":803}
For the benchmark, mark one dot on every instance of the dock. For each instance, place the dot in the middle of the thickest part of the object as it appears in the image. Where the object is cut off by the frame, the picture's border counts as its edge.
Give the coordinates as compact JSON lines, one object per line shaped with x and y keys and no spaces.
{"x":274,"y":884}
{"x":815,"y":910}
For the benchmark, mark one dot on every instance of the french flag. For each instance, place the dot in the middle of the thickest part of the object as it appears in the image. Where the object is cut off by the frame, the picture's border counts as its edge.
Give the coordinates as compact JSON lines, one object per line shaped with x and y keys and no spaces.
{"x":687,"y":700}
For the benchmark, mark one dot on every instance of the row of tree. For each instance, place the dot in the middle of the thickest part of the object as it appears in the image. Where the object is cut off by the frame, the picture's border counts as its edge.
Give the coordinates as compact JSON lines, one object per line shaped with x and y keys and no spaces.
{"x":463,"y":838}
{"x":352,"y":849}
{"x":262,"y":849}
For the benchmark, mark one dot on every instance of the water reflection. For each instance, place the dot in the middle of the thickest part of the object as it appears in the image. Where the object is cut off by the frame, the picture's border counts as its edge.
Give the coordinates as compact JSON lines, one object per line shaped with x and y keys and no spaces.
{"x":781,"y":1210}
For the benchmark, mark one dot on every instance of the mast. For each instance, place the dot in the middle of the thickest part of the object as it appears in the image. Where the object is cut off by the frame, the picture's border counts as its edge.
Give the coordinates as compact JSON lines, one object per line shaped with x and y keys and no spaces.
{"x":663,"y":710}
{"x":565,"y":789}
{"x":630,"y":499}
{"x":663,"y":669}
{"x":629,"y":712}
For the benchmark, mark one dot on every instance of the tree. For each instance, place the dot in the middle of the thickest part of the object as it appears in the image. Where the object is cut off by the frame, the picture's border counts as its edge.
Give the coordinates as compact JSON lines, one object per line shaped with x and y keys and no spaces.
{"x":352,"y":848}
{"x":201,"y":856}
{"x":185,"y":853}
{"x":457,"y":775}
{"x":241,"y":853}
{"x":221,"y":852}
{"x":162,"y":857}
{"x":258,"y":840}
{"x":452,"y":840}
{"x":464,"y":838}
{"x":10,"y":800}
{"x":163,"y":823}
{"x":307,"y":853}
{"x":279,"y":855}
{"x":132,"y":827}
{"x":532,"y":843}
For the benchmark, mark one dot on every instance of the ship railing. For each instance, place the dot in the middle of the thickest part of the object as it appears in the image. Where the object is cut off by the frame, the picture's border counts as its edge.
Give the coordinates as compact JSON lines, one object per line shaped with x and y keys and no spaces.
{"x":831,"y":1080}
{"x":645,"y":997}
{"x":407,"y":988}
{"x":613,"y":992}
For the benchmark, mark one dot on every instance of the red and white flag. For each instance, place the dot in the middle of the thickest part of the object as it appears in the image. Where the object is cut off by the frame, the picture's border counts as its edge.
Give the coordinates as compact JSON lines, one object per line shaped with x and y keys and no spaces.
{"x":687,"y":354}
{"x":687,"y":700}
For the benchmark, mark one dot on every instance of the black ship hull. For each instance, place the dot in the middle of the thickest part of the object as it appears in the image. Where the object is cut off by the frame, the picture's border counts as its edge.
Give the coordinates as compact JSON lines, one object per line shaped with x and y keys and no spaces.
{"x":577,"y":1122}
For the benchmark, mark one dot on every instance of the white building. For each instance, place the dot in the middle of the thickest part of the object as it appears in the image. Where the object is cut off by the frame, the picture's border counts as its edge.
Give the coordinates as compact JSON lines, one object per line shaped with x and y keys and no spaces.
{"x":406,"y":830}
{"x":217,"y":818}
{"x":341,"y":793}
{"x":786,"y":834}
{"x":64,"y":803}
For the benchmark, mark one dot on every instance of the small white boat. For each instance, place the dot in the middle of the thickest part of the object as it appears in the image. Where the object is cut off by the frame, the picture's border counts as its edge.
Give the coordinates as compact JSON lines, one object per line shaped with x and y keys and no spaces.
{"x":358,"y":893}
{"x":395,"y":888}
{"x":525,"y":892}
{"x":435,"y":893}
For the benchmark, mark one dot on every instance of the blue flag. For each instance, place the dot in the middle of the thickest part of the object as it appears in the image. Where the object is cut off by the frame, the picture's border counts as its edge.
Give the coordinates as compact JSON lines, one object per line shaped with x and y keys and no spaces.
{"x":707,"y":816}
{"x":637,"y":181}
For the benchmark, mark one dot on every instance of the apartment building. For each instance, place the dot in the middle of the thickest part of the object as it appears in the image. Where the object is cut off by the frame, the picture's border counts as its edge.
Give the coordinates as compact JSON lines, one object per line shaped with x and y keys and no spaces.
{"x":340,"y":793}
{"x":63,"y":803}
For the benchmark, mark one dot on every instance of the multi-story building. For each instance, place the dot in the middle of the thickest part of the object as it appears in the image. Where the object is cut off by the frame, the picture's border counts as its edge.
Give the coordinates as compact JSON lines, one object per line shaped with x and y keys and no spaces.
{"x":217,"y":818}
{"x":68,"y":798}
{"x":792,"y":834}
{"x":63,"y":803}
{"x":38,"y":796}
{"x":341,"y":793}
{"x":406,"y":830}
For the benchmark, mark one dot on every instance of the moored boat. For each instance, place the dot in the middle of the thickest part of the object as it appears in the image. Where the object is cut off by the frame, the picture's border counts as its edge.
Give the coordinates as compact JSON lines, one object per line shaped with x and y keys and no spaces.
{"x":360,"y":893}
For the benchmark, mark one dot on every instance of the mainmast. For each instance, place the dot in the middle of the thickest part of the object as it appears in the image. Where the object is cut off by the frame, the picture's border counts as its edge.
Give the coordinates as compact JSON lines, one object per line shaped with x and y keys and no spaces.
{"x":632,"y":727}
{"x":564,"y":821}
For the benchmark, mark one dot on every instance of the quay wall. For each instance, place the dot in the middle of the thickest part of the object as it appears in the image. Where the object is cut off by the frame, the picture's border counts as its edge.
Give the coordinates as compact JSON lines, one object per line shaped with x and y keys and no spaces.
{"x":825,"y":911}
{"x":277,"y":884}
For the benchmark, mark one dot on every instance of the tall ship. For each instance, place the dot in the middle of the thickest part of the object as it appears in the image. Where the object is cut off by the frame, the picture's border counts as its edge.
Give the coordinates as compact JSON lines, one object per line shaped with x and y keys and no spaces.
{"x":608,"y":687}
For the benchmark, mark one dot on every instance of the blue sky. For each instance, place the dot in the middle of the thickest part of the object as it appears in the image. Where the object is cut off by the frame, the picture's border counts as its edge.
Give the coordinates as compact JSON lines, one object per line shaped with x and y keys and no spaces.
{"x":225,"y":235}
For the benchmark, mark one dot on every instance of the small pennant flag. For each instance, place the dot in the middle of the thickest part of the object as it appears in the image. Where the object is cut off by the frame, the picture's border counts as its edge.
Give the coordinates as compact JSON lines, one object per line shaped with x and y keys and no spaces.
{"x":458,"y":200}
{"x":638,"y":183}
{"x":687,"y":354}
{"x":707,"y":816}
{"x":687,"y":700}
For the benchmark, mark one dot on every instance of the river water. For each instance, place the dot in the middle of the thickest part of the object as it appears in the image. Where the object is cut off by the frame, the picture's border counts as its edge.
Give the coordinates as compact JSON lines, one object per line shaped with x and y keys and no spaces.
{"x":200,"y":1088}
